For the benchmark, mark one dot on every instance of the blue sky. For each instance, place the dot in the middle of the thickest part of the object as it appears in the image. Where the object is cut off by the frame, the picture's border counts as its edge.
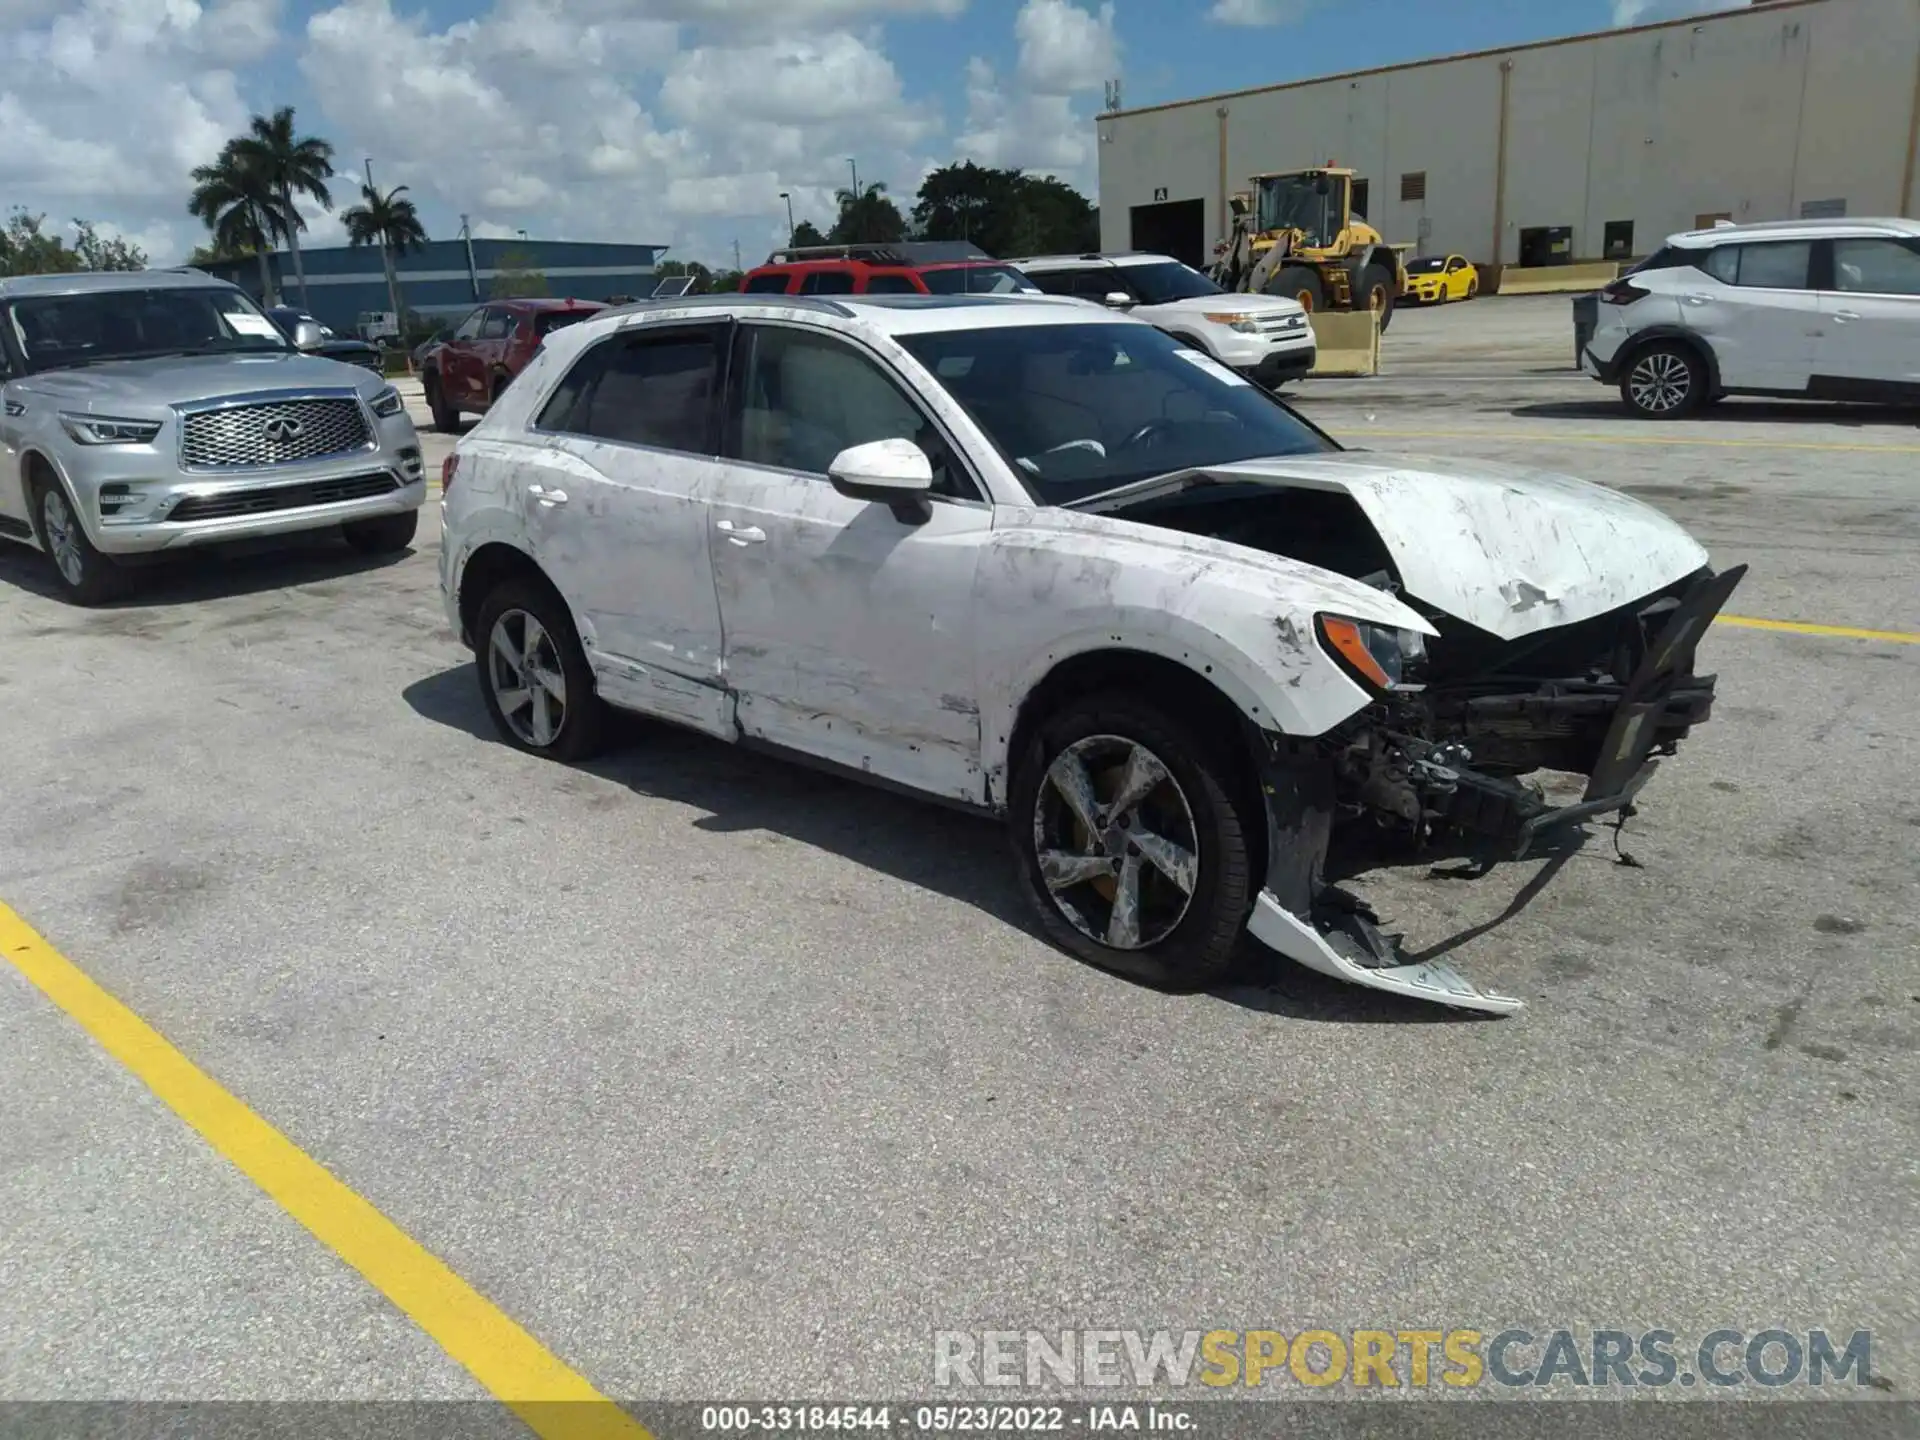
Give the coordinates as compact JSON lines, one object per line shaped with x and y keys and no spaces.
{"x":666,"y":121}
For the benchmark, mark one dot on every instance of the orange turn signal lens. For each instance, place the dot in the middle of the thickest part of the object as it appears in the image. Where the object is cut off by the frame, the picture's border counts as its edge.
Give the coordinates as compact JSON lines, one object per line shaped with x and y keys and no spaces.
{"x":1343,"y":637}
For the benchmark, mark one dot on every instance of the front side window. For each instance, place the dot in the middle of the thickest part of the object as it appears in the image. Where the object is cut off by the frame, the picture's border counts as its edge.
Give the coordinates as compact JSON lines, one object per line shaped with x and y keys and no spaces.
{"x":1055,"y":282}
{"x":54,"y":331}
{"x":1877,"y":267}
{"x":470,"y":327}
{"x":827,"y":282}
{"x":497,"y":325}
{"x":1167,"y":280}
{"x":891,"y":282}
{"x":1083,"y":408}
{"x":806,"y":397}
{"x":642,"y":389}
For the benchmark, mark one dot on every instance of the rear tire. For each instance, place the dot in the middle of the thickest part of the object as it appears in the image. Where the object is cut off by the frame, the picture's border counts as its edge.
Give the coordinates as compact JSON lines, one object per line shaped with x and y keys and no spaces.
{"x":1176,"y":849}
{"x":446,"y":419}
{"x":1297,"y":282}
{"x":83,"y":574}
{"x":534,"y":677}
{"x":382,"y":535}
{"x":1664,"y":381}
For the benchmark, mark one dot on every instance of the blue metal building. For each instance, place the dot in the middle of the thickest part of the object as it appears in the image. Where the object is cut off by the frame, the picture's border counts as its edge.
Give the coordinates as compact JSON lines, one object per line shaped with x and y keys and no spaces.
{"x":446,"y":278}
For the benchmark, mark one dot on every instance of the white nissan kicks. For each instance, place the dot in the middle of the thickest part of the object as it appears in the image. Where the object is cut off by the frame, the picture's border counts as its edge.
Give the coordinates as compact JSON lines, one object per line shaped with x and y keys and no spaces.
{"x":1801,"y":309}
{"x":1047,"y":562}
{"x":1267,"y":338}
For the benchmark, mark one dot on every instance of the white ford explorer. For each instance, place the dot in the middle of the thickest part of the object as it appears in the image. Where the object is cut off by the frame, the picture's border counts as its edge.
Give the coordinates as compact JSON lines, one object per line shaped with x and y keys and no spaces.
{"x":1267,"y":338}
{"x":1043,"y":560}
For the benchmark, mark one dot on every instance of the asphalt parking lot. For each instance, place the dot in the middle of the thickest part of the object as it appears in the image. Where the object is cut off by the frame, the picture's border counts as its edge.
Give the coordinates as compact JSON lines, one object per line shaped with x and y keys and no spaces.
{"x":725,"y":1079}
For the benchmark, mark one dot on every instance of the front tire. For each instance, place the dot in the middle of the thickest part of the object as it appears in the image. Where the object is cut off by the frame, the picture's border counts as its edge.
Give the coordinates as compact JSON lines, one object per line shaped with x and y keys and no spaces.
{"x":1297,"y":282}
{"x":1373,"y":291}
{"x":382,"y":535}
{"x":534,"y":677}
{"x":1129,"y":843}
{"x":1665,"y":381}
{"x":84,"y":575}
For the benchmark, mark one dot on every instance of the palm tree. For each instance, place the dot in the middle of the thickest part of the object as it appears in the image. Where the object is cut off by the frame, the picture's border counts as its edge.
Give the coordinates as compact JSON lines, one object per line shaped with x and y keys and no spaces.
{"x":867,"y":216}
{"x":391,"y":222}
{"x":293,"y":165}
{"x":238,"y":204}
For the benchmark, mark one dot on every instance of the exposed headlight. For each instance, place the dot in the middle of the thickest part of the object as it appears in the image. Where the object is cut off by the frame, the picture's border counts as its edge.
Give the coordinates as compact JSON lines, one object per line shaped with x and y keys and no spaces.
{"x":1245,"y":324}
{"x":104,"y":430}
{"x":387,"y":402}
{"x":1378,"y":655}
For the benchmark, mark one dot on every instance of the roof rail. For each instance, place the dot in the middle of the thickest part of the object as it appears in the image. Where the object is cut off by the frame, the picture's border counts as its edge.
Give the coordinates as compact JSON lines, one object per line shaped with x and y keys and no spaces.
{"x":896,"y":252}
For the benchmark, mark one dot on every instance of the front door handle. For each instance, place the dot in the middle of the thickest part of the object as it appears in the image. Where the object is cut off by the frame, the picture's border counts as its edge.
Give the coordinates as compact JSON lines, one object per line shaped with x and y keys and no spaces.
{"x":1841,"y":317}
{"x":547,"y":497}
{"x":741,"y":534}
{"x":1696,"y":299}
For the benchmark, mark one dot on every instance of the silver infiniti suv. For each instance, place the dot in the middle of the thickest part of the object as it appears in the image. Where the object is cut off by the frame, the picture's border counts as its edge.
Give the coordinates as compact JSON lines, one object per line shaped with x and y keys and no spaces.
{"x":151,"y":411}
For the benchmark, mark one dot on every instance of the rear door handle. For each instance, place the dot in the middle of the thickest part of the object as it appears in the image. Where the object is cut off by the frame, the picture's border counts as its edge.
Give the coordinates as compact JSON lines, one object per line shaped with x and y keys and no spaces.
{"x":547,"y":497}
{"x":1841,"y":317}
{"x":1696,"y":299}
{"x":741,"y":534}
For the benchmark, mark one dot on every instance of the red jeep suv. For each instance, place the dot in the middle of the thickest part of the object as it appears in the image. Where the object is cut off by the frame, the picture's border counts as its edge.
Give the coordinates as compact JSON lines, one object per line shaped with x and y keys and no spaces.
{"x":907,"y":267}
{"x":467,"y":370}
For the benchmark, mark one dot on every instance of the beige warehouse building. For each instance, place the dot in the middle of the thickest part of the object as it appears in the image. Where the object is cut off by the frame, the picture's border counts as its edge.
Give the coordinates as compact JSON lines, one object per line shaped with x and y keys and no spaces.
{"x":1592,"y":147}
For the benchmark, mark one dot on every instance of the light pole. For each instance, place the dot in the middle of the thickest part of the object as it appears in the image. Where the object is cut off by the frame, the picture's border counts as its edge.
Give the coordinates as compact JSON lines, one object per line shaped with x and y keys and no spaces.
{"x":786,"y":196}
{"x":855,"y":171}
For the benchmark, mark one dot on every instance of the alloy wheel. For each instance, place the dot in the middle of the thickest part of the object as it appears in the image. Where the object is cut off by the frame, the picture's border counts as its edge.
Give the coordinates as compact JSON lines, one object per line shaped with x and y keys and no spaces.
{"x":1660,"y":382}
{"x":63,"y":537}
{"x":528,"y":681}
{"x":1116,"y":842}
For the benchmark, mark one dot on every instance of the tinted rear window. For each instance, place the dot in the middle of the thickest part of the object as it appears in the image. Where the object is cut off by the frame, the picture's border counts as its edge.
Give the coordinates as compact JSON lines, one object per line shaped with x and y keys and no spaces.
{"x":774,"y":282}
{"x":548,"y":321}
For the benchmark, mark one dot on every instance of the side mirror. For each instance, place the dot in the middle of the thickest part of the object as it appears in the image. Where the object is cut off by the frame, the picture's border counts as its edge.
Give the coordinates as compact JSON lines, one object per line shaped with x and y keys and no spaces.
{"x":893,"y":472}
{"x":308,"y":335}
{"x":1118,"y":300}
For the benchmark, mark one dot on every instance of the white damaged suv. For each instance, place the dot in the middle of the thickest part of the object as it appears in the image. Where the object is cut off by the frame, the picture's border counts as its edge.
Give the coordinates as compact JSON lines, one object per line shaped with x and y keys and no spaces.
{"x":151,"y":412}
{"x":1044,"y":561}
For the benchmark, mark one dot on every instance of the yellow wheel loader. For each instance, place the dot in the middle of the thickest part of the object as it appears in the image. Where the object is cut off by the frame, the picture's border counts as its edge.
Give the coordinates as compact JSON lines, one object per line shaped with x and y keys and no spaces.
{"x":1295,"y":234}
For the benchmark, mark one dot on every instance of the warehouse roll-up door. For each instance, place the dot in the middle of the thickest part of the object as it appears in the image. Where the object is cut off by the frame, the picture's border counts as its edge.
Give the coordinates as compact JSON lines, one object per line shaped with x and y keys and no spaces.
{"x":1176,"y":227}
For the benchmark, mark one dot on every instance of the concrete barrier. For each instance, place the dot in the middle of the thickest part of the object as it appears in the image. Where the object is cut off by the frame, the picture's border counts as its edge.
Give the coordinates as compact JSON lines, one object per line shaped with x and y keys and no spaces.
{"x":1555,"y":279}
{"x":1348,"y":342}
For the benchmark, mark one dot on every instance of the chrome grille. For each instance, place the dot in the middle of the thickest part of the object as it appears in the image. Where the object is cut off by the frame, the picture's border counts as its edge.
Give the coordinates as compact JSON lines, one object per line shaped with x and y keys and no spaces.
{"x":1280,"y":324}
{"x":276,"y":432}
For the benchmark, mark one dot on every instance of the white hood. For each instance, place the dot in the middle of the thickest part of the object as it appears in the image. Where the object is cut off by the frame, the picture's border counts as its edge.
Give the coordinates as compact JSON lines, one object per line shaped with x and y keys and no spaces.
{"x":1510,"y":550}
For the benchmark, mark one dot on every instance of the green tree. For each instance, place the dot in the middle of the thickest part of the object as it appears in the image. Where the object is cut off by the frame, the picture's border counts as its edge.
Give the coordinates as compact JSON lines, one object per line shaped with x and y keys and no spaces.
{"x":807,"y":233}
{"x":516,"y":277}
{"x":292,"y":165}
{"x":26,"y":248}
{"x":867,"y":217}
{"x":391,"y":222}
{"x":237,"y":202}
{"x":723,"y":281}
{"x":1005,"y":212}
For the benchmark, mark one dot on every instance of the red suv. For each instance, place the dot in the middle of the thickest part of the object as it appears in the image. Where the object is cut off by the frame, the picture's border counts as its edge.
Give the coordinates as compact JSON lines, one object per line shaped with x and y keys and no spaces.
{"x":909,"y":267}
{"x":467,"y":370}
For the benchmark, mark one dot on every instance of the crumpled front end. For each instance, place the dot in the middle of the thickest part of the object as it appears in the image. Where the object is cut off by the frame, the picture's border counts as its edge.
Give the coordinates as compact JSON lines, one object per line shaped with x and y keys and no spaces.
{"x":1444,"y":750}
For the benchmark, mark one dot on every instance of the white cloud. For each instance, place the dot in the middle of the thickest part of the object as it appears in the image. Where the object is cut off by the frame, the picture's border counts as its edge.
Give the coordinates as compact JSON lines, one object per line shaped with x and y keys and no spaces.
{"x":1645,"y":12}
{"x":1043,"y":119}
{"x":1260,"y":12}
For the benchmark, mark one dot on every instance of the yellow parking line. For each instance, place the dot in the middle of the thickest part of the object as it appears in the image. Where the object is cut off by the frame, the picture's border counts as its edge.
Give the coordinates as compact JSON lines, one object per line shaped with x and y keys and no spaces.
{"x":1799,"y":627}
{"x":555,"y":1402}
{"x":1507,"y":437}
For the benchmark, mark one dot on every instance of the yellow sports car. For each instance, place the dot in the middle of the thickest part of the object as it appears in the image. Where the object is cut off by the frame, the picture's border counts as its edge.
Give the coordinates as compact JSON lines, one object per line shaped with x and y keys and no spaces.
{"x":1437,"y":278}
